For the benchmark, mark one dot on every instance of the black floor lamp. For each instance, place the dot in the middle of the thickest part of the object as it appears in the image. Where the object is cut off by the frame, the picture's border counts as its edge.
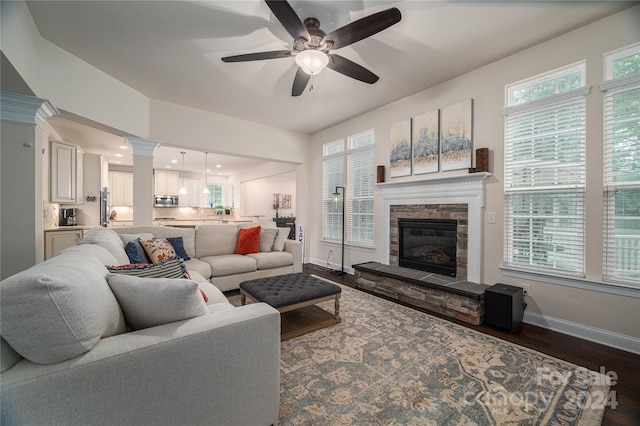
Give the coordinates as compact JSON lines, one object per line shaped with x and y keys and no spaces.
{"x":335,"y":198}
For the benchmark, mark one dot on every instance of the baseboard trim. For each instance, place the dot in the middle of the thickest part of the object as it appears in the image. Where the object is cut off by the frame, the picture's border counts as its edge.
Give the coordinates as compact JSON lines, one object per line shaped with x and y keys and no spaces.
{"x":593,"y":334}
{"x":324,"y":264}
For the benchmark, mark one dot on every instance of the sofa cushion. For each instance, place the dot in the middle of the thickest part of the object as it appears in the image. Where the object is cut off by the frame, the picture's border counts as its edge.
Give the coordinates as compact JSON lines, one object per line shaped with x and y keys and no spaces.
{"x":267,"y":238}
{"x":147,"y":302}
{"x":135,"y":252}
{"x":8,"y":357}
{"x":203,"y":268}
{"x":213,"y":240}
{"x":248,"y":241}
{"x":102,"y":254}
{"x":283,"y":234}
{"x":171,"y":268}
{"x":274,"y":259}
{"x":213,"y":293}
{"x":158,"y":249}
{"x":58,"y":309}
{"x":230,"y":264}
{"x":108,"y":239}
{"x":127,"y":238}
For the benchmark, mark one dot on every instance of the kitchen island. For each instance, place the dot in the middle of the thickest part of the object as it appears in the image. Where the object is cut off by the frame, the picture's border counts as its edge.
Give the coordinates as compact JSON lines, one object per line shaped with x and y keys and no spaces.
{"x":192,"y":223}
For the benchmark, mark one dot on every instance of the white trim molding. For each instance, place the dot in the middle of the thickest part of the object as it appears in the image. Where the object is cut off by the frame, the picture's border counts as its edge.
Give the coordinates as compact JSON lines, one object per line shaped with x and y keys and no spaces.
{"x":597,"y":335}
{"x":462,"y":189}
{"x":142,"y":147}
{"x":25,"y":109}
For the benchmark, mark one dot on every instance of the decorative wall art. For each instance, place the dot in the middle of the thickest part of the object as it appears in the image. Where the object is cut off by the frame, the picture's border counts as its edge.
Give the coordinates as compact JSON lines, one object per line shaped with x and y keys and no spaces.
{"x":281,"y":201}
{"x":400,"y":149}
{"x":425,"y":142}
{"x":455,"y":136}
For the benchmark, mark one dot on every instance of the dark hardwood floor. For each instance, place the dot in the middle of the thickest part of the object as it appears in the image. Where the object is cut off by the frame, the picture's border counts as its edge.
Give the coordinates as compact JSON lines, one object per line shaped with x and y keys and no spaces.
{"x":581,"y":352}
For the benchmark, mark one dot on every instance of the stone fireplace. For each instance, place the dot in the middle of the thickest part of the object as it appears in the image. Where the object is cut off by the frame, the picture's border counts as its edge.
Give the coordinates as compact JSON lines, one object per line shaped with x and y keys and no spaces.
{"x":457,"y":197}
{"x":424,"y":221}
{"x":458,"y":201}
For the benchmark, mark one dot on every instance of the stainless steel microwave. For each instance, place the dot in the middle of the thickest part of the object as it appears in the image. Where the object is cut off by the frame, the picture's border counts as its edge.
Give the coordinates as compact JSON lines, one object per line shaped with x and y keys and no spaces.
{"x":166,"y":201}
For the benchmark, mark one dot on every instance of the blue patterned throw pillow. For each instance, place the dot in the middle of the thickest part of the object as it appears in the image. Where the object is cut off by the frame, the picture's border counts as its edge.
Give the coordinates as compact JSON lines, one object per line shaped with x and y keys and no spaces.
{"x":135,"y":252}
{"x":178,"y":246}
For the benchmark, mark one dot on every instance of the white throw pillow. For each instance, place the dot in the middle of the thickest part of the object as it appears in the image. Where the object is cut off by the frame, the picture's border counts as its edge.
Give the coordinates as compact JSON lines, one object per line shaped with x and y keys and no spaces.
{"x":59,"y":309}
{"x":147,"y":302}
{"x":283,"y":234}
{"x":267,"y":238}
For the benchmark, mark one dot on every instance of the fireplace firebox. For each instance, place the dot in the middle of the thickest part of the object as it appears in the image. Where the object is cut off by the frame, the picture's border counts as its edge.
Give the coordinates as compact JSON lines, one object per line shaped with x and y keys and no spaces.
{"x":428,"y":245}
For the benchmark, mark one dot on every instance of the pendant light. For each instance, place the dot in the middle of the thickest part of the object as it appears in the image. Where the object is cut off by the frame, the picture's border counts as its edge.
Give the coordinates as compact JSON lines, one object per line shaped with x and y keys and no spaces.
{"x":183,"y":190}
{"x":206,"y":174}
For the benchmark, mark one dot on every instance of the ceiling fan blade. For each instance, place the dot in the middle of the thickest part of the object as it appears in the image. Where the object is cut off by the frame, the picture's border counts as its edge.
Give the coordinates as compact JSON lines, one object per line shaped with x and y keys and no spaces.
{"x":274,"y":54}
{"x":299,"y":82}
{"x":363,"y":28}
{"x":351,"y":69}
{"x":288,"y":18}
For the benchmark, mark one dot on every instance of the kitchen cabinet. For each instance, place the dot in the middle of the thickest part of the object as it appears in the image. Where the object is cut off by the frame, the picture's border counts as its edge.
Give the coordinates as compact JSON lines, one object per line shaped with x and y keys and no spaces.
{"x":121,"y":188}
{"x":167,"y":182}
{"x":55,"y":241}
{"x":65,"y":180}
{"x":192,"y":197}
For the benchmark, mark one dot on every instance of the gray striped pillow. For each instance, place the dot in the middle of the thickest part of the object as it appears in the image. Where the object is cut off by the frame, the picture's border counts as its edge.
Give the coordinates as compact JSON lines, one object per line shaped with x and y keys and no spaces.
{"x":171,"y":268}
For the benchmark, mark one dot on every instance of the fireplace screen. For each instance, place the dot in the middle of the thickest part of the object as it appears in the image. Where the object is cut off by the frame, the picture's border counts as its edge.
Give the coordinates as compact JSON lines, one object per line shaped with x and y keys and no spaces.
{"x":428,"y":245}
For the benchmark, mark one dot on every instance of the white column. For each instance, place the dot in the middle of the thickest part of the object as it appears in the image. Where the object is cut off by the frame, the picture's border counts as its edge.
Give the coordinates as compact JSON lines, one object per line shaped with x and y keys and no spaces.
{"x":21,"y":182}
{"x":142,"y":179}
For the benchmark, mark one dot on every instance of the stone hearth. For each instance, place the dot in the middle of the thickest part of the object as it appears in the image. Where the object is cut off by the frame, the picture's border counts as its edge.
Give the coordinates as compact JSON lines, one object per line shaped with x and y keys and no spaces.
{"x":448,"y":296}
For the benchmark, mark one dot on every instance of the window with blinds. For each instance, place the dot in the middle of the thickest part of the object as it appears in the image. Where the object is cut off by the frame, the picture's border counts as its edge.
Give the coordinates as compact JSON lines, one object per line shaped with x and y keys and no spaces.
{"x":622,"y":166}
{"x":332,"y":176}
{"x":360,"y":181}
{"x":356,"y":164}
{"x":545,"y":172}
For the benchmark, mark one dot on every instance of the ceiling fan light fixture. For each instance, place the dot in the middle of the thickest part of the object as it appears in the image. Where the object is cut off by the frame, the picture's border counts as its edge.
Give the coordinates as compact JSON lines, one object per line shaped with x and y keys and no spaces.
{"x":312,"y":61}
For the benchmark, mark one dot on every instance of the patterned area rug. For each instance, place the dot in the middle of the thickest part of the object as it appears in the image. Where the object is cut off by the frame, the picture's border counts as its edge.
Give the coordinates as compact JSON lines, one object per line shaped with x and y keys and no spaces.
{"x":387,"y":364}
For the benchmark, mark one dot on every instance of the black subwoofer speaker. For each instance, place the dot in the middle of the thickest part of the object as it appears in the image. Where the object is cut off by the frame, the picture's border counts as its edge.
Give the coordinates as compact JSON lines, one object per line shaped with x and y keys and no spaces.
{"x":504,"y":306}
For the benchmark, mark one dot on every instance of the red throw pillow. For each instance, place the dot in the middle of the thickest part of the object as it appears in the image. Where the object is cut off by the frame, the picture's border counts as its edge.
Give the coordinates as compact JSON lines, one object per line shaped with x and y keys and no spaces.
{"x":248,"y":241}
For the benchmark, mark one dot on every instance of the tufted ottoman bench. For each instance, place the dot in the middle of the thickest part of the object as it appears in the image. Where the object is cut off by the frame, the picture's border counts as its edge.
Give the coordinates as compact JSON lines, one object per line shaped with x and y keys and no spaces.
{"x":292,"y":292}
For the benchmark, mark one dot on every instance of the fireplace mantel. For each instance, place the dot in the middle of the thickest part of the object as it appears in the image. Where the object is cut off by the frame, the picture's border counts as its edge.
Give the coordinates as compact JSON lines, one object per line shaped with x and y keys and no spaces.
{"x":461,"y":189}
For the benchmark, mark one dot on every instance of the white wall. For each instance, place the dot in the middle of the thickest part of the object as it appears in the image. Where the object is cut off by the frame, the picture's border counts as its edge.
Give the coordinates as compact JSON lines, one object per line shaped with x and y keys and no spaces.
{"x":257,"y":195}
{"x":66,"y":81}
{"x":596,"y":314}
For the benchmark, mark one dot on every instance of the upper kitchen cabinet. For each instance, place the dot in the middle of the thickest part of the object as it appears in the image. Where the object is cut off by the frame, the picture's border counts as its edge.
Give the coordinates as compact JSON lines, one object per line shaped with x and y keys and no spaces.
{"x":167,"y":182}
{"x":192,"y":197}
{"x":66,"y":186}
{"x":121,"y":188}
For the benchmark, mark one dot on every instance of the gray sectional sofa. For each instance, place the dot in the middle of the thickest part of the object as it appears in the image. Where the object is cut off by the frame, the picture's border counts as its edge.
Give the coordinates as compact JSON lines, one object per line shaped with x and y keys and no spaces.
{"x":211,"y":250}
{"x":69,"y":356}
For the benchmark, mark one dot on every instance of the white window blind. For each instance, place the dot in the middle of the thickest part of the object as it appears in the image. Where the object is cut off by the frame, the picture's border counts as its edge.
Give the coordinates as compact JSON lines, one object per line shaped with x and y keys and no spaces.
{"x":360,"y":181}
{"x":545,"y":173}
{"x":332,"y":176}
{"x":622,"y":167}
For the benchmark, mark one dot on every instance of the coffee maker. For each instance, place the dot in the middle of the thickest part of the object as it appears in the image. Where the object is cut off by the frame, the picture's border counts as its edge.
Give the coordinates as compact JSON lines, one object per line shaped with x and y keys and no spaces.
{"x":68,"y":217}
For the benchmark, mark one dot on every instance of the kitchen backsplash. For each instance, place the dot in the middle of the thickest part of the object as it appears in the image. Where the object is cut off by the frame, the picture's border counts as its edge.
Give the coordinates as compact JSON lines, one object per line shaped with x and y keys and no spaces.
{"x":184,"y":213}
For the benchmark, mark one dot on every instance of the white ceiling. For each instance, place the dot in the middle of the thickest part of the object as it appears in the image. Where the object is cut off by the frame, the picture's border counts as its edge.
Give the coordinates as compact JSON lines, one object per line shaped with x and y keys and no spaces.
{"x":171,"y":50}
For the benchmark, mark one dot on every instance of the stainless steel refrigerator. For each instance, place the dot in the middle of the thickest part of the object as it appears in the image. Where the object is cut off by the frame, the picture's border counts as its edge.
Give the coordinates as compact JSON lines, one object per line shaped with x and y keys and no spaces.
{"x":104,"y":207}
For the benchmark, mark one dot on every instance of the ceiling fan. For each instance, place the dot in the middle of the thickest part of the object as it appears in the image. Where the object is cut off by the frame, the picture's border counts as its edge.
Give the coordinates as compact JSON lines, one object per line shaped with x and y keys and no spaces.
{"x":311,"y":45}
